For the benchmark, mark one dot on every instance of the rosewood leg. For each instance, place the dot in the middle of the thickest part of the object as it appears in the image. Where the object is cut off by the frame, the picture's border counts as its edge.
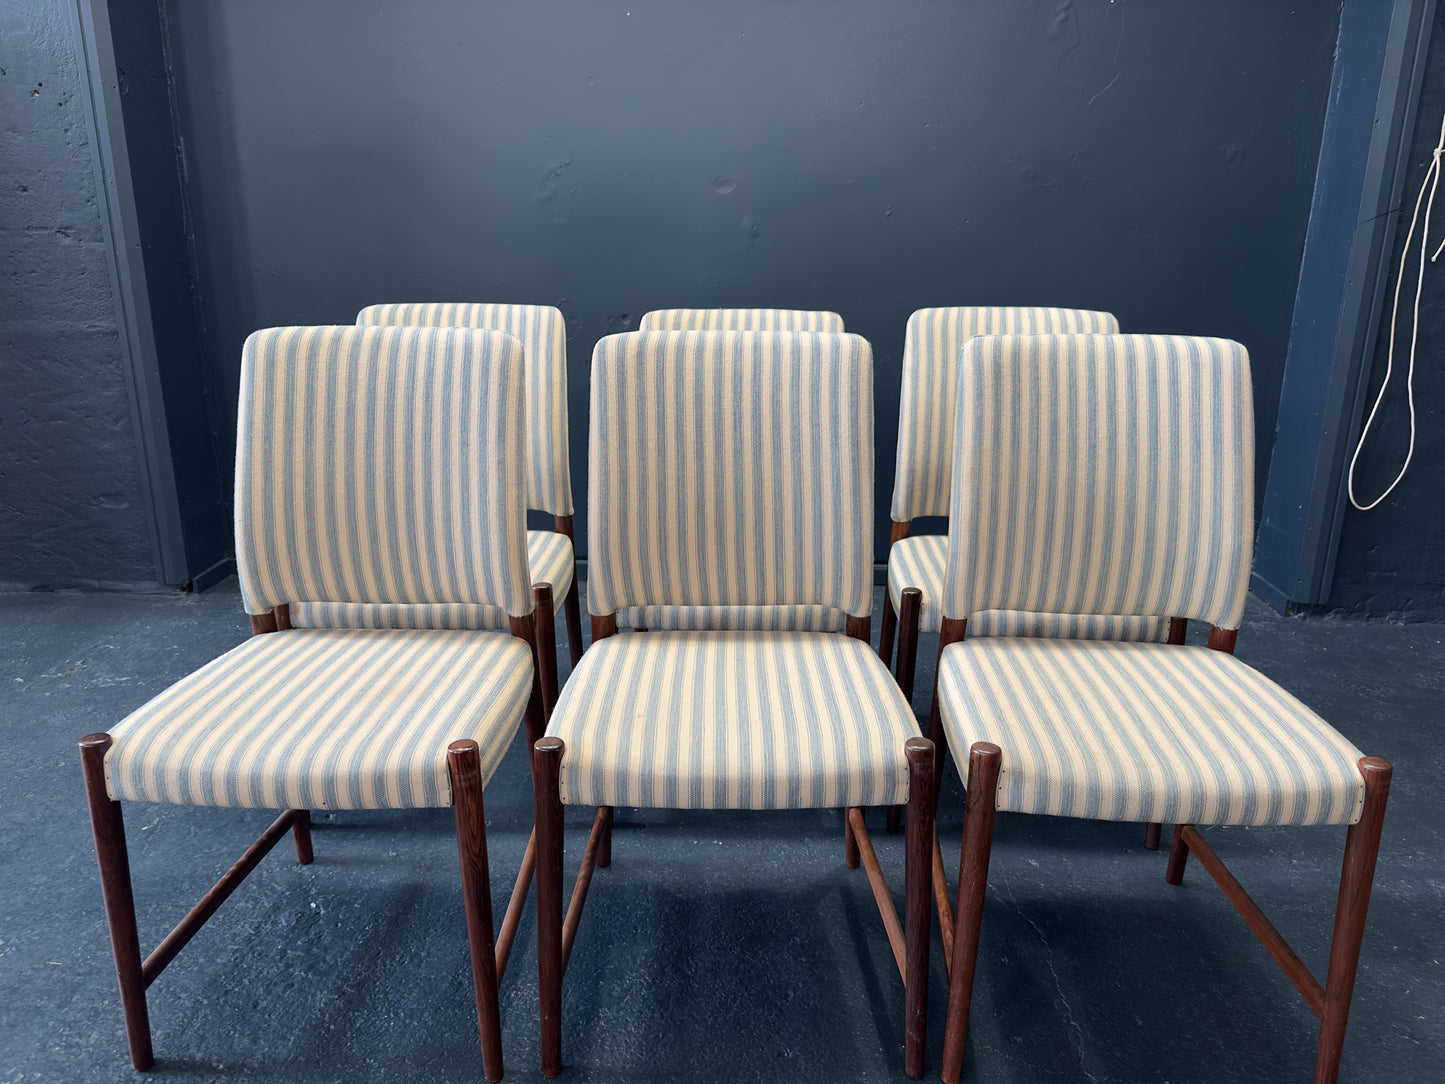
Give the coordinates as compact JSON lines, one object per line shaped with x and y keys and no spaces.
{"x":895,"y":820}
{"x":571,"y":604}
{"x":917,"y":912}
{"x":1152,"y":831}
{"x":548,"y":762}
{"x":1178,"y":857}
{"x":850,"y":842}
{"x":464,"y":766}
{"x":885,"y":632}
{"x":301,"y":834}
{"x":604,"y":846}
{"x":979,"y":808}
{"x":908,"y":618}
{"x":1362,"y":846}
{"x":115,"y":889}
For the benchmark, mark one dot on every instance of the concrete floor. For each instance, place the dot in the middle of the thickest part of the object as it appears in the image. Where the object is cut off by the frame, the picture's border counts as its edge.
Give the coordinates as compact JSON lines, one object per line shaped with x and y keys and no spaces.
{"x":730,"y":947}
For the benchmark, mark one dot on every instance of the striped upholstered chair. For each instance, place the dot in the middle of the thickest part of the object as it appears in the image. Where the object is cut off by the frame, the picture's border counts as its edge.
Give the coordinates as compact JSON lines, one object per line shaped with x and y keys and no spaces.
{"x":922,"y":484}
{"x":731,"y":471}
{"x":740,"y":320}
{"x":376,"y":466}
{"x":551,"y":555}
{"x":1114,"y":475}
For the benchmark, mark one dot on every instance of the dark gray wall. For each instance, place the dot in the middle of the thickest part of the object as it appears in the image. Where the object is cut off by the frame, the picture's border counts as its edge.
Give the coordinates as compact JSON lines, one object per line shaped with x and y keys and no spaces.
{"x":1148,"y":158}
{"x":70,"y":499}
{"x":1392,"y":559}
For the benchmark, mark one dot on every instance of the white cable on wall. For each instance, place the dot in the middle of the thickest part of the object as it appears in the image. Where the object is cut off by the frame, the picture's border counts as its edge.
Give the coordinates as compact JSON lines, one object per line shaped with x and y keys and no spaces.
{"x":1432,"y":182}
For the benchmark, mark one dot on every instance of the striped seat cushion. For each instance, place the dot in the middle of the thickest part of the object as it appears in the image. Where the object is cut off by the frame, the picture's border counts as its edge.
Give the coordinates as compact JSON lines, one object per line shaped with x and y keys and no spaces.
{"x":549,"y":555}
{"x":1145,"y":732}
{"x":325,"y":719}
{"x":732,"y":720}
{"x":740,"y":320}
{"x":919,"y":562}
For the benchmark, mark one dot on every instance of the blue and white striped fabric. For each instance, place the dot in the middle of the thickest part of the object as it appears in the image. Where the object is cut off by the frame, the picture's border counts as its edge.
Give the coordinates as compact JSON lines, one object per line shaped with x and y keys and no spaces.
{"x":381,"y":464}
{"x":733,"y":720}
{"x":1102,"y":474}
{"x":745,"y":618}
{"x":931,"y":346}
{"x":543,"y":333}
{"x":325,"y":719}
{"x":920,"y":561}
{"x":741,"y":320}
{"x":731,"y":469}
{"x":1145,"y":732}
{"x":549,"y":559}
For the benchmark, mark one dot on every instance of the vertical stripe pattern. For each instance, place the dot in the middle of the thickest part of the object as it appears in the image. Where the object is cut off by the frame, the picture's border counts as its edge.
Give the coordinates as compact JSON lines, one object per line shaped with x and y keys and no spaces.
{"x":731,"y":469}
{"x":1145,"y":732}
{"x":741,"y":320}
{"x":733,"y":720}
{"x":325,"y":719}
{"x":549,"y":560}
{"x":381,"y":464}
{"x":931,"y":346}
{"x":920,"y":562}
{"x":543,"y":333}
{"x":1102,"y":474}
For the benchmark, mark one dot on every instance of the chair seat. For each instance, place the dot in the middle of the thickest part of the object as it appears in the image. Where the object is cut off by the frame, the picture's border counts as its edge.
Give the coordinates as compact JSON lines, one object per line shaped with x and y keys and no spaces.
{"x":549,"y":560}
{"x":1145,"y":732}
{"x":732,"y":720}
{"x":325,"y":719}
{"x":918,"y":562}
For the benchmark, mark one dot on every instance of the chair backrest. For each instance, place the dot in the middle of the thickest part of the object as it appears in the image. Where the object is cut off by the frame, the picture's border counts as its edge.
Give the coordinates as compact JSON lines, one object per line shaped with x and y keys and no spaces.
{"x":543,"y":332}
{"x":931,"y":348}
{"x":381,"y":464}
{"x":740,"y":320}
{"x":731,"y":469}
{"x":1102,"y":474}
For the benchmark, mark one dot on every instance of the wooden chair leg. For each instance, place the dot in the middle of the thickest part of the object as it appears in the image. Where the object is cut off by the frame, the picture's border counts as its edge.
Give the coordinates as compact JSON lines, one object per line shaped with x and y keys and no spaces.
{"x":910,"y":612}
{"x":978,"y":816}
{"x":851,"y":856}
{"x":571,"y":604}
{"x":548,"y":762}
{"x":604,"y":845}
{"x":1362,"y":846}
{"x":1152,"y":832}
{"x":115,"y":889}
{"x":918,"y":897}
{"x":1178,"y":857}
{"x":894,"y":824}
{"x":464,"y":767}
{"x":301,"y":835}
{"x":885,"y":632}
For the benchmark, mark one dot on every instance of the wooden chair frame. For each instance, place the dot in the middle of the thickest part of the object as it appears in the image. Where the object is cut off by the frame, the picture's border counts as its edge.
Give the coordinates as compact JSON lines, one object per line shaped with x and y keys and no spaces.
{"x":571,"y":602}
{"x":909,"y":940}
{"x":1330,"y":1000}
{"x":489,"y":956}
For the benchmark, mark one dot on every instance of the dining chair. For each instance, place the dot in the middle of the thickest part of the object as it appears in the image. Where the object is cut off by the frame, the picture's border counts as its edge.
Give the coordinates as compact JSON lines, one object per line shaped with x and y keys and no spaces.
{"x":551,"y":555}
{"x":376,"y":466}
{"x":1114,"y":474}
{"x":740,"y":320}
{"x":731,"y":472}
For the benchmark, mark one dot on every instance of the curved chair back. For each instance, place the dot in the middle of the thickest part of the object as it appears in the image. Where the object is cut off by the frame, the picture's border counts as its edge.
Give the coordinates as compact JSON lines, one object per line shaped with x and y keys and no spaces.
{"x":740,"y":320}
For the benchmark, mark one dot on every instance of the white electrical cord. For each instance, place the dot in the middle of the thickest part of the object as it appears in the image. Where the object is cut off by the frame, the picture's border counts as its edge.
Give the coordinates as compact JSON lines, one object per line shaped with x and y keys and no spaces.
{"x":1432,"y":182}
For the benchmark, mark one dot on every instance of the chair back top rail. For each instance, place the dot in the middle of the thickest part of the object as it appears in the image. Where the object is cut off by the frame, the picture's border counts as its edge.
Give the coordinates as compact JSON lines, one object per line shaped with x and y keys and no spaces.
{"x":740,"y":320}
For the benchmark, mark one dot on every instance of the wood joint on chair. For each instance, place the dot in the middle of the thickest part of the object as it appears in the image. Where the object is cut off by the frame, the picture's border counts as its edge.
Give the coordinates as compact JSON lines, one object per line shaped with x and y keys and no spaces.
{"x":603,"y":626}
{"x":1222,"y":639}
{"x":860,"y":628}
{"x":1271,"y":938}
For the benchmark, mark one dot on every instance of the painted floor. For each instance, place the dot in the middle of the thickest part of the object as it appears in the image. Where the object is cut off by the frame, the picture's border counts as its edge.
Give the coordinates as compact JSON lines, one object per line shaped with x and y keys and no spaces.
{"x":723,"y":947}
